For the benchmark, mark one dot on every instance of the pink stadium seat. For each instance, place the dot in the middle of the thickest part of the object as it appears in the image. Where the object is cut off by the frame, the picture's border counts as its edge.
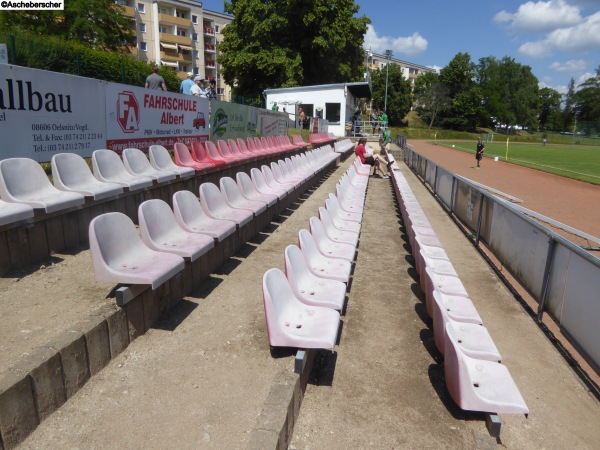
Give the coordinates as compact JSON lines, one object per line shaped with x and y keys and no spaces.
{"x":291,"y":323}
{"x":201,"y":155}
{"x":309,"y":288}
{"x":120,"y":256}
{"x":161,"y":159}
{"x":183,"y":158}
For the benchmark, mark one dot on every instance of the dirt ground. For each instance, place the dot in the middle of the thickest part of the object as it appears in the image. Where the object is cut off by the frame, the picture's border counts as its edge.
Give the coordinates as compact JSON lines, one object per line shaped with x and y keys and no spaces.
{"x":199,"y":379}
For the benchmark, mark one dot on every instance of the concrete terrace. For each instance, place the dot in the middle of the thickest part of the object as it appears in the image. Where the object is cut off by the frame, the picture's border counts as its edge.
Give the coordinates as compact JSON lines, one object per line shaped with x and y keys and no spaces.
{"x":204,"y":376}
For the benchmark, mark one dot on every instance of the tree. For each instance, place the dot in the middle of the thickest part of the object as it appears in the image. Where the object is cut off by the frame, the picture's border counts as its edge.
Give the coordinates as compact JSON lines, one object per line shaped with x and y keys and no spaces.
{"x":549,"y":109}
{"x":291,"y":43}
{"x":510,"y":92}
{"x":430,"y":96}
{"x":96,"y":23}
{"x":568,"y":114}
{"x":587,"y":99}
{"x":399,"y":97}
{"x":465,"y":95}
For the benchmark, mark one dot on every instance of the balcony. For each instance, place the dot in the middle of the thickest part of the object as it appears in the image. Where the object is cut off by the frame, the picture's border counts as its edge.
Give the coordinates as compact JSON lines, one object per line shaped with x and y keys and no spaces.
{"x":128,"y":11}
{"x":173,"y":38}
{"x":174,"y":56}
{"x":210,"y":63}
{"x":209,"y":48}
{"x":209,"y":31}
{"x":174,"y":20}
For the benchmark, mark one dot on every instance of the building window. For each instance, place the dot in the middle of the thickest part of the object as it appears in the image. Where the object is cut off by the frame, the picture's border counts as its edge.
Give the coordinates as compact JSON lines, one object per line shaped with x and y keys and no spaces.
{"x":332,"y":112}
{"x":308,"y":109}
{"x":142,"y":27}
{"x":180,"y":14}
{"x":162,"y":11}
{"x":143,"y":47}
{"x":141,"y":8}
{"x":195,"y":71}
{"x":162,"y":29}
{"x":181,"y":33}
{"x":216,"y":28}
{"x":184,"y":68}
{"x":194,"y":19}
{"x":196,"y":54}
{"x":220,"y":91}
{"x":195,"y":37}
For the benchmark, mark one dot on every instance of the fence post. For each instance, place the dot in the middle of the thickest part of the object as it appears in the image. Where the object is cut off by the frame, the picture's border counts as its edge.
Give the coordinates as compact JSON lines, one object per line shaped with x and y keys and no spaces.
{"x":479,"y":219}
{"x":546,"y":280}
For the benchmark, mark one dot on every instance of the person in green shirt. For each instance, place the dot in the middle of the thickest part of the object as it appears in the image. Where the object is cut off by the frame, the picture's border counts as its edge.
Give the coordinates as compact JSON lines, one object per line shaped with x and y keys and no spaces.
{"x":384,"y":139}
{"x":275,"y":107}
{"x":383,"y":120}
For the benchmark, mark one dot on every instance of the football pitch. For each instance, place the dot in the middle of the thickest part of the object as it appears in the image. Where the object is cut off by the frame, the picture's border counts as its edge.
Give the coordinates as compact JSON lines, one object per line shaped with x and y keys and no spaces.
{"x":581,"y":162}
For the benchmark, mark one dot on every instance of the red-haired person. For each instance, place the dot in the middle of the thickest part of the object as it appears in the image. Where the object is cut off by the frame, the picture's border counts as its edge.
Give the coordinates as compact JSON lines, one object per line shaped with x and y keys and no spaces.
{"x":376,"y":161}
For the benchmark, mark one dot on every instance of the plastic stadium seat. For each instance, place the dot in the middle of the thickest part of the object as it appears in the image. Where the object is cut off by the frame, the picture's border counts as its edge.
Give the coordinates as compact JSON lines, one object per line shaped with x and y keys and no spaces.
{"x":285,"y":172}
{"x":235,"y":199}
{"x":191,"y":217}
{"x":248,"y":190}
{"x":120,"y":256}
{"x":71,"y":173}
{"x":334,"y":234}
{"x":161,"y":232}
{"x":245,"y":149}
{"x":283,"y":179}
{"x":320,"y":265}
{"x":340,"y":224}
{"x":22,"y":180}
{"x":328,"y":247}
{"x":227,"y":153}
{"x":261,"y":185}
{"x":291,"y":323}
{"x":108,"y":167}
{"x":137,"y":164}
{"x":299,"y":142}
{"x":213,"y":152}
{"x":333,"y":206}
{"x":474,"y":340}
{"x":183,"y":158}
{"x":445,"y":284}
{"x":215,"y":206}
{"x":272,"y":182}
{"x":479,"y":385}
{"x":201,"y":155}
{"x":437,"y":265}
{"x":460,"y":309}
{"x":235,"y":150}
{"x":309,"y":288}
{"x":161,"y":159}
{"x":14,"y":212}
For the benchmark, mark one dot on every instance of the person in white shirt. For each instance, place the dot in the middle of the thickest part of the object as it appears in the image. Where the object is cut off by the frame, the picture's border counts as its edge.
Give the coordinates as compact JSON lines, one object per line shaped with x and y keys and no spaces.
{"x":198,"y":89}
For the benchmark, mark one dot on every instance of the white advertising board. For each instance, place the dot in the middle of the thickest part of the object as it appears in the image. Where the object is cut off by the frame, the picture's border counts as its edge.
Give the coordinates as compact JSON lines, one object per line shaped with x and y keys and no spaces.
{"x":139,"y":117}
{"x":43,"y":113}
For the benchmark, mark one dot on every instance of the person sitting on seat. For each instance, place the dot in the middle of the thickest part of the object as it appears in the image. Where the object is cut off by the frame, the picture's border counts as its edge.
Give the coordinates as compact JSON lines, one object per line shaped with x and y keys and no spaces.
{"x":377,"y":161}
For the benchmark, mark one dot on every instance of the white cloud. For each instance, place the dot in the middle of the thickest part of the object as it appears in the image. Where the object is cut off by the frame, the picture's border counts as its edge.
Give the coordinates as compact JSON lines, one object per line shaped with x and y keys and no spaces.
{"x":569,"y":66}
{"x":540,"y":17}
{"x":584,"y":77}
{"x":410,"y":45}
{"x":581,"y":37}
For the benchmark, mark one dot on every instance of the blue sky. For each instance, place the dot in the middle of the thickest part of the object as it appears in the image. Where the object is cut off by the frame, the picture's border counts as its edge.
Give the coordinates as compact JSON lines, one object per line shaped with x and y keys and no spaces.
{"x":558,"y":39}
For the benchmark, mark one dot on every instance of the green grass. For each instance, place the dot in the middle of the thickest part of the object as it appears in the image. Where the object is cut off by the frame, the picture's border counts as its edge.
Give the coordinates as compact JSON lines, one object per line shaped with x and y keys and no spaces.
{"x":580,"y":162}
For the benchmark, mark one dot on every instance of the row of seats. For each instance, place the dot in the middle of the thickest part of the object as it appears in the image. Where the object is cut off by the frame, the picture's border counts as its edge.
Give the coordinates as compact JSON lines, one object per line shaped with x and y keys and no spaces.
{"x":344,"y":146}
{"x":321,"y":138}
{"x":121,"y":255}
{"x":302,"y":305}
{"x":475,"y":377}
{"x":207,"y":155}
{"x":24,"y":185}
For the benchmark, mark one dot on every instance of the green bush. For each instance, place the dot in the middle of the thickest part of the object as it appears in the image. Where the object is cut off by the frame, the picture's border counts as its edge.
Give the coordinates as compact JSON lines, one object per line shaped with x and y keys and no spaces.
{"x":53,"y":54}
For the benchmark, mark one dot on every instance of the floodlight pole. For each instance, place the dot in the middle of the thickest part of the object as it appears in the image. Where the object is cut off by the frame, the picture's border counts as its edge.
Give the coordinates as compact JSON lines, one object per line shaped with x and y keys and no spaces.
{"x":388,"y":55}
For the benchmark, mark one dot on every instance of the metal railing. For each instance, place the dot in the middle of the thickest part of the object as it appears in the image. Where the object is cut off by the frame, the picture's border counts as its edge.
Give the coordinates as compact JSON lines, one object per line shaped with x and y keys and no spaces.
{"x":562,"y":278}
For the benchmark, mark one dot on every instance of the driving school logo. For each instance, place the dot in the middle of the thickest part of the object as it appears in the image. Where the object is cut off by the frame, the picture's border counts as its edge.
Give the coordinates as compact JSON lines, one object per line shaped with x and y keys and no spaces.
{"x":128,"y":112}
{"x":219,"y":123}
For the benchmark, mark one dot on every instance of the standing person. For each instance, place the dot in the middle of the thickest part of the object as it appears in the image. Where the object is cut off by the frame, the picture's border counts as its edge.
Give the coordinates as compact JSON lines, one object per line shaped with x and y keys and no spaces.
{"x":374,"y":120}
{"x":356,"y":120}
{"x":186,"y":84}
{"x":197,"y":89}
{"x":377,"y":161}
{"x":212,"y":90}
{"x":384,"y":140}
{"x":301,"y":116}
{"x":155,"y":81}
{"x":479,"y":151}
{"x":275,"y":107}
{"x":383,"y":119}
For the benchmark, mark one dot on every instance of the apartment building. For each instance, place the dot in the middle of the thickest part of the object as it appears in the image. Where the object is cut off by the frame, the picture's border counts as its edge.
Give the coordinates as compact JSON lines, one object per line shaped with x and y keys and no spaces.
{"x":179,"y":34}
{"x":410,"y":71}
